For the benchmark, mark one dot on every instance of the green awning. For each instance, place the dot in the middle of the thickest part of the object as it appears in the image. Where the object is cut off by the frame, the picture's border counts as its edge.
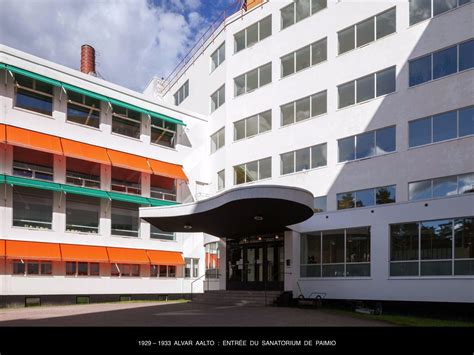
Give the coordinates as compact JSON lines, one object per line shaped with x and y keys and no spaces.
{"x":129,"y":106}
{"x":84,"y":191}
{"x":85,"y":92}
{"x":37,"y":184}
{"x":128,"y":198}
{"x":2,"y":179}
{"x":155,"y":202}
{"x":2,"y":66}
{"x":166,"y":118}
{"x":35,"y":76}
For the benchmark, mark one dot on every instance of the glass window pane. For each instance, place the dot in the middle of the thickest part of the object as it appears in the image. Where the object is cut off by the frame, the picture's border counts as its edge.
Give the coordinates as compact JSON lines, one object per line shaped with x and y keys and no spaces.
{"x":436,"y":237}
{"x":447,"y":186}
{"x":404,"y":269}
{"x":251,"y":172}
{"x":431,"y":268}
{"x":265,"y":121}
{"x":420,"y":70}
{"x":365,"y":32}
{"x":82,"y":214}
{"x":252,"y":80}
{"x":46,"y":268}
{"x":346,"y":39}
{"x":303,"y":109}
{"x":386,"y":23}
{"x":419,"y":10}
{"x":404,"y":242}
{"x":239,"y":85}
{"x":358,"y":245}
{"x":239,"y":174}
{"x":265,"y":27}
{"x":420,"y":190}
{"x":319,"y":104}
{"x":345,"y":200}
{"x":32,"y":208}
{"x":319,"y":155}
{"x":319,"y":51}
{"x":287,"y":163}
{"x":221,"y":93}
{"x":214,"y":60}
{"x":365,"y":88}
{"x":420,"y":132}
{"x":221,"y":51}
{"x":266,"y":74}
{"x":287,"y":65}
{"x":252,"y":126}
{"x":252,"y":34}
{"x":214,"y":143}
{"x":445,"y":126}
{"x":365,"y":145}
{"x":221,"y":137}
{"x":440,"y":6}
{"x":34,"y":102}
{"x":386,"y":194}
{"x":318,"y":5}
{"x":466,"y":55}
{"x":311,"y":248}
{"x":287,"y":114}
{"x":465,"y":183}
{"x":70,"y":268}
{"x":333,"y":247}
{"x":239,"y":41}
{"x":466,"y":121}
{"x":221,"y":180}
{"x":32,"y":268}
{"x":214,"y":101}
{"x":445,"y":62}
{"x":320,"y":204}
{"x":346,"y":149}
{"x":239,"y":130}
{"x":302,"y":159}
{"x":386,"y":81}
{"x":365,"y":198}
{"x":265,"y":166}
{"x":464,"y":238}
{"x":287,"y":16}
{"x":385,"y":140}
{"x":303,"y":9}
{"x":346,"y":94}
{"x":303,"y":58}
{"x":125,"y":220}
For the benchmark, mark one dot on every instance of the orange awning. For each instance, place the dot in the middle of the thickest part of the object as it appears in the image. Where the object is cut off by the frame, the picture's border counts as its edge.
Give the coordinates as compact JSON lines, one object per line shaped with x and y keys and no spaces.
{"x":127,"y":256}
{"x":129,"y":161}
{"x":30,"y":139}
{"x":71,"y":252}
{"x":84,"y":151}
{"x":167,"y":169}
{"x":2,"y":248}
{"x":159,"y":257}
{"x":3,"y":134}
{"x":32,"y":250}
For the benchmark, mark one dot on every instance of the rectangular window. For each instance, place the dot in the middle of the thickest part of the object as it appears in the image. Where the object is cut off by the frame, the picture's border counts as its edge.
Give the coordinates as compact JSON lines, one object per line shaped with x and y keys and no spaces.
{"x":366,"y":198}
{"x":464,"y":246}
{"x":421,"y":10}
{"x":163,"y":132}
{"x":126,"y":181}
{"x":195,"y":268}
{"x":218,"y":98}
{"x":221,"y":180}
{"x":183,"y":91}
{"x":303,"y":159}
{"x":404,"y":240}
{"x":304,"y":108}
{"x":156,"y":233}
{"x":126,"y":122}
{"x":46,"y":268}
{"x":320,"y":204}
{"x":368,"y":144}
{"x":32,"y":208}
{"x":82,"y":173}
{"x":163,"y":271}
{"x":441,"y":187}
{"x":32,"y":164}
{"x":125,"y":220}
{"x":374,"y":85}
{"x":218,"y":140}
{"x":253,"y":79}
{"x":217,"y":58}
{"x":441,"y":63}
{"x":441,"y":127}
{"x":33,"y":95}
{"x":32,"y":267}
{"x":305,"y":57}
{"x":188,"y":264}
{"x":253,"y":171}
{"x":83,"y":109}
{"x":82,"y":214}
{"x":367,"y":31}
{"x":253,"y":34}
{"x":299,"y":10}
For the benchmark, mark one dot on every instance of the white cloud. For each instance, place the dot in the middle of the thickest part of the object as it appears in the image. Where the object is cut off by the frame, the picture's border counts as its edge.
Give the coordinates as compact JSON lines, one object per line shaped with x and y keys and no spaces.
{"x":134,"y":39}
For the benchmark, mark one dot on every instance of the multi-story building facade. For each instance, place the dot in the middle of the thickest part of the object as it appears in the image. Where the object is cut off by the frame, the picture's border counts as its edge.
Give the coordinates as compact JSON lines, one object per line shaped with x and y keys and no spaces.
{"x":367,"y":105}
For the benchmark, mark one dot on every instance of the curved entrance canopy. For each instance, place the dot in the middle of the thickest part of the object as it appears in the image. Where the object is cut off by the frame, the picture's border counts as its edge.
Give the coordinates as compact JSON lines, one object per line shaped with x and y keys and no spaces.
{"x":236,"y":213}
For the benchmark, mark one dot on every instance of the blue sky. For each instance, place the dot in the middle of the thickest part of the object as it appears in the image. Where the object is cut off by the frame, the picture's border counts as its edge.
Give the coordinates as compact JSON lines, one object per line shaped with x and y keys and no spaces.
{"x":134,"y":39}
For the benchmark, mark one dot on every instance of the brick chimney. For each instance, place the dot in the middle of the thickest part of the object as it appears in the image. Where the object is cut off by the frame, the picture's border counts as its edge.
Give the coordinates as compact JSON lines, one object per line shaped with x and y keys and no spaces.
{"x":88,"y":60}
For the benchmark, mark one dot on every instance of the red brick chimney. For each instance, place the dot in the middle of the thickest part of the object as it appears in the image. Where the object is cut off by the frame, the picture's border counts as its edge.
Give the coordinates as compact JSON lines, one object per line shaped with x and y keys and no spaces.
{"x":88,"y":59}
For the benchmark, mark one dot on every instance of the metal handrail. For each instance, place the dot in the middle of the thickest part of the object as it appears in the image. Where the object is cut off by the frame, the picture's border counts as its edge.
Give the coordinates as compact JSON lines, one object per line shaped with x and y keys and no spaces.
{"x":192,"y":283}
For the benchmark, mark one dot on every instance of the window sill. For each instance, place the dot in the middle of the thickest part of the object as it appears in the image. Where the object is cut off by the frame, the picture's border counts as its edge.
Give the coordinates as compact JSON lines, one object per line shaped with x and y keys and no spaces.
{"x":367,"y":44}
{"x":302,"y":70}
{"x":125,"y":136}
{"x":83,"y":125}
{"x":33,"y":112}
{"x":125,"y":236}
{"x":366,"y":101}
{"x":303,"y":171}
{"x":305,"y":120}
{"x":437,"y":79}
{"x":439,"y":142}
{"x":163,"y":146}
{"x":163,"y":240}
{"x":34,"y":229}
{"x":82,"y":233}
{"x":367,"y":158}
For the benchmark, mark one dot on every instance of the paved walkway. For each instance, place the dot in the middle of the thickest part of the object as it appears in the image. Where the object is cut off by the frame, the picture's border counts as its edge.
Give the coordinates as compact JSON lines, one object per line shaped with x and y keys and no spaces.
{"x":174,"y":314}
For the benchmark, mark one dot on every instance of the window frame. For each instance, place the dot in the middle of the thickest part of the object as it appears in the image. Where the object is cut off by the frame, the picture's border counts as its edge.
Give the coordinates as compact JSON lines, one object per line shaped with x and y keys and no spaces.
{"x":217,"y":135}
{"x":259,"y":39}
{"x":293,"y":4}
{"x":258,"y":161}
{"x":218,"y":98}
{"x":311,"y":167}
{"x":182,"y":93}
{"x":374,"y":189}
{"x":432,"y":187}
{"x":219,"y":61}
{"x":33,"y":90}
{"x":323,"y":92}
{"x":259,"y":69}
{"x":293,"y":54}
{"x":245,"y":120}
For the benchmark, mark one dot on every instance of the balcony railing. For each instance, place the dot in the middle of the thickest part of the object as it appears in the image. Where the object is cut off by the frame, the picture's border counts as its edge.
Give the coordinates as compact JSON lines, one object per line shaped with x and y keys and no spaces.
{"x":82,"y":229}
{"x":83,"y":182}
{"x":26,"y":223}
{"x":32,"y":171}
{"x":133,"y":190}
{"x":163,"y":195}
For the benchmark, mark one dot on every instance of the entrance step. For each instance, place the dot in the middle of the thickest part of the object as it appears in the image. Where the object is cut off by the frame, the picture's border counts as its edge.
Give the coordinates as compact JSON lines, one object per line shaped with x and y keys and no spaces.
{"x":237,"y":298}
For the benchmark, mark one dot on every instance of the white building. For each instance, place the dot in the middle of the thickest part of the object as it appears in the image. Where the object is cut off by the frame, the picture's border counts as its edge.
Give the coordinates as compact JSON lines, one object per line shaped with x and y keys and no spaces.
{"x":367,"y":105}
